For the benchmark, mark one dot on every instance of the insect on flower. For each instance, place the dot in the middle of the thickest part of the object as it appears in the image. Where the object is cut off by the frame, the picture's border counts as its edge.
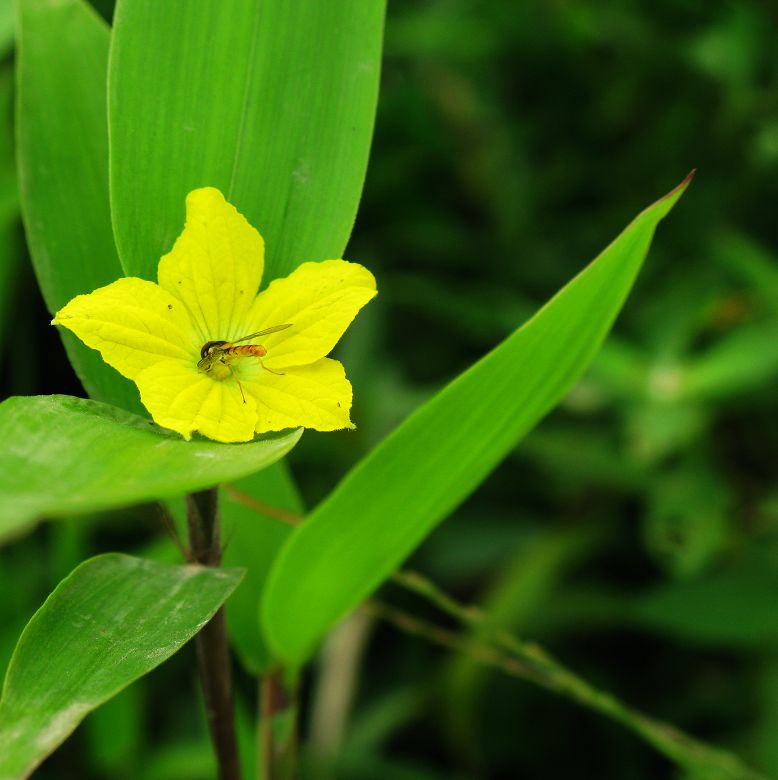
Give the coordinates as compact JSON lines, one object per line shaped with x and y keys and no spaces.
{"x":182,"y":339}
{"x":217,"y":357}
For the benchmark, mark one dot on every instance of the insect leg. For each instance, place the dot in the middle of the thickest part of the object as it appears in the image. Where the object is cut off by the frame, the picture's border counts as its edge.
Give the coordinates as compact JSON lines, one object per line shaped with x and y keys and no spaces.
{"x":277,"y":373}
{"x":242,"y":395}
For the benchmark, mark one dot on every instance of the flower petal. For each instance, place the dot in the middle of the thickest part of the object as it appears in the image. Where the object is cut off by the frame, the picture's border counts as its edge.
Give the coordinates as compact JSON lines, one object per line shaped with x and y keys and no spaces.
{"x":181,"y":398}
{"x":319,"y":300}
{"x":215,"y":266}
{"x":133,"y":323}
{"x":316,"y":396}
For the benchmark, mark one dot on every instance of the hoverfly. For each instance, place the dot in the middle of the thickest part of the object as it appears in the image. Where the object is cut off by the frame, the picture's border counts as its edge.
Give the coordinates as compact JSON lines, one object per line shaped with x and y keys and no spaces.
{"x":217,"y":357}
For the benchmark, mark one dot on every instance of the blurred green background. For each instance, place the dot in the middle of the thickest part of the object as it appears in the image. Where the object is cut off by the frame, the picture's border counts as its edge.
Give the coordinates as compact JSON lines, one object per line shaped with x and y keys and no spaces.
{"x":635,"y":533}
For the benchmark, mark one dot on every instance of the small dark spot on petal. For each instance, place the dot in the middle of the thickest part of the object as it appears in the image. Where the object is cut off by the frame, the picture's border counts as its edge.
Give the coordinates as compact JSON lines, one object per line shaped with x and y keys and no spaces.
{"x":179,"y":281}
{"x":338,"y":404}
{"x":170,"y":306}
{"x":241,"y":292}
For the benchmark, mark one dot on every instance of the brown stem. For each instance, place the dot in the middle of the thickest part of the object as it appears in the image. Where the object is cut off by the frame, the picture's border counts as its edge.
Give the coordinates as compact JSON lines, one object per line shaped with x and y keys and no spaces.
{"x":273,"y":512}
{"x":495,"y":647}
{"x":213,"y":652}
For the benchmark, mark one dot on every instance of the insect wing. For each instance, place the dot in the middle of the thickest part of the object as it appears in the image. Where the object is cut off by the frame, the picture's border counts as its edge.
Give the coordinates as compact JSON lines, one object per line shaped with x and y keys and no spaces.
{"x":265,"y":332}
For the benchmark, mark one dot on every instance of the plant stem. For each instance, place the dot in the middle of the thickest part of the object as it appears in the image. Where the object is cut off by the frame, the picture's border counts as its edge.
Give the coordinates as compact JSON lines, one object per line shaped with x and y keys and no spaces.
{"x":532,"y":662}
{"x":277,"y":736}
{"x":333,"y":697}
{"x":493,"y":646}
{"x":213,"y":652}
{"x":273,"y":512}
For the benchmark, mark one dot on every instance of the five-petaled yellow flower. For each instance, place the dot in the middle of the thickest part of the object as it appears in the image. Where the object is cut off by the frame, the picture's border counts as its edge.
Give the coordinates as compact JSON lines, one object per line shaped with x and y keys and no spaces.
{"x":170,"y":337}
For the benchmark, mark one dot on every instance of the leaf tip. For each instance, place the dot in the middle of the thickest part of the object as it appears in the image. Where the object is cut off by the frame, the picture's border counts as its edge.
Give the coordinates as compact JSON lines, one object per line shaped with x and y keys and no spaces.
{"x":679,"y":189}
{"x":660,"y":208}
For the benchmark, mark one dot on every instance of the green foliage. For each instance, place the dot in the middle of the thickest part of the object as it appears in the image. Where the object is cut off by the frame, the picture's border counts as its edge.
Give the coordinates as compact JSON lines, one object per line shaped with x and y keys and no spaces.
{"x":254,"y":542}
{"x":710,"y":611}
{"x":73,"y":456}
{"x":634,"y":531}
{"x":200,"y":97}
{"x":400,"y":491}
{"x":111,"y":621}
{"x":6,"y":28}
{"x":63,"y":169}
{"x":10,"y":239}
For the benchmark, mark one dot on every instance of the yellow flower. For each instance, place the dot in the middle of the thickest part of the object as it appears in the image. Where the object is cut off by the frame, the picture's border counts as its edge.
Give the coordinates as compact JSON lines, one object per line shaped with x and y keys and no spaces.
{"x":173,"y":339}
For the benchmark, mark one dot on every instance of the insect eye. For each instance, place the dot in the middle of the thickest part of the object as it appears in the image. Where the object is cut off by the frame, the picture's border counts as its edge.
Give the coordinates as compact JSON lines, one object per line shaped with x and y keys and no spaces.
{"x":208,"y":346}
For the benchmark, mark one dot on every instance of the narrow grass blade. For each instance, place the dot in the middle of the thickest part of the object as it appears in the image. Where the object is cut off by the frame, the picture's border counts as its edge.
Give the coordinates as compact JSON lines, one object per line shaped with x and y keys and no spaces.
{"x":395,"y":497}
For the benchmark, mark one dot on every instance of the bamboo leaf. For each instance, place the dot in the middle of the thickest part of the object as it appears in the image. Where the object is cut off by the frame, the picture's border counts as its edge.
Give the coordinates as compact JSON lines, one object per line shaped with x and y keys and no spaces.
{"x":272,"y":102}
{"x":394,"y":497}
{"x":112,"y":620}
{"x":64,"y":455}
{"x":63,"y":168}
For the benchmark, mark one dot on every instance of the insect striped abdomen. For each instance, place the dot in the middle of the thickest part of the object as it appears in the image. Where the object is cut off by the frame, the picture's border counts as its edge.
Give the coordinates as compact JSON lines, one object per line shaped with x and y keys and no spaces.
{"x":245,"y":350}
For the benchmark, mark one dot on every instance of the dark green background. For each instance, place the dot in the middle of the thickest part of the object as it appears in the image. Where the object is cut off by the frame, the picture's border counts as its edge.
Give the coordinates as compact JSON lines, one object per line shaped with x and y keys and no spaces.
{"x":635,"y":533}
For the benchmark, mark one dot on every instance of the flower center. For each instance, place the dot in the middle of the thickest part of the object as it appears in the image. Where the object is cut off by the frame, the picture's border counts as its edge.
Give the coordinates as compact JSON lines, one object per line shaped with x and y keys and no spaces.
{"x":215,"y":359}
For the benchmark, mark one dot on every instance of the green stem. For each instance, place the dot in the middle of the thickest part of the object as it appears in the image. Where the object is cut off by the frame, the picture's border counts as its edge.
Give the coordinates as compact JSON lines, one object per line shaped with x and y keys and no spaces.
{"x":531,"y":662}
{"x":496,"y":647}
{"x":213,"y":652}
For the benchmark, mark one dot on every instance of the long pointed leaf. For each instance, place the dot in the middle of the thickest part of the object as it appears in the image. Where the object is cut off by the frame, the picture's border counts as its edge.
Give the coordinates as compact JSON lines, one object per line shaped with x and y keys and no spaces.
{"x":440,"y":454}
{"x":63,"y":168}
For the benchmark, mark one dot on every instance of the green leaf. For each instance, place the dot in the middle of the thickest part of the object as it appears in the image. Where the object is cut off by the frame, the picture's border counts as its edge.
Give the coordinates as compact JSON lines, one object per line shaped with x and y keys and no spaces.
{"x":254,"y":539}
{"x":273,"y":103}
{"x":116,"y":734}
{"x":730,"y":608}
{"x":64,"y":455}
{"x":112,"y":620}
{"x":11,"y":244}
{"x":395,"y":496}
{"x":743,"y":360}
{"x":63,"y":168}
{"x":6,"y":27}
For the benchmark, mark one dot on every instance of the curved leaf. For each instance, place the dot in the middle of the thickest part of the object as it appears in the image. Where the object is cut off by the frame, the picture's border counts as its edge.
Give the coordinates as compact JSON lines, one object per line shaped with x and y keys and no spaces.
{"x":112,"y":620}
{"x":64,"y":455}
{"x":394,"y":497}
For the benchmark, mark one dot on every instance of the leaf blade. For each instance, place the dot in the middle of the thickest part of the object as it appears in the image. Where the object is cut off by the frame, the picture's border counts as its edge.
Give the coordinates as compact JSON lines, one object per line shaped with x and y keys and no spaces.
{"x":293,"y":167}
{"x":63,"y":169}
{"x":67,"y":455}
{"x":92,"y":638}
{"x":254,"y":540}
{"x":392,"y":499}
